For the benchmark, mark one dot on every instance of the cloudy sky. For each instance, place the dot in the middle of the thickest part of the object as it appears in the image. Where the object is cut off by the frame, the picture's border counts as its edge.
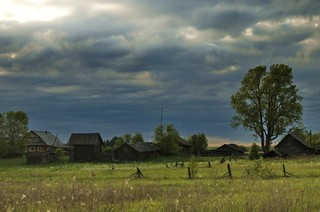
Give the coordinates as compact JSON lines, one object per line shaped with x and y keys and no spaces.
{"x":109,"y":66}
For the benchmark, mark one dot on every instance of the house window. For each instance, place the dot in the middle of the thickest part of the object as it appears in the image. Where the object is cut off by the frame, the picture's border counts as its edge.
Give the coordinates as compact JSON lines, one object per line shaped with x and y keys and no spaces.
{"x":39,"y":149}
{"x":31,"y":149}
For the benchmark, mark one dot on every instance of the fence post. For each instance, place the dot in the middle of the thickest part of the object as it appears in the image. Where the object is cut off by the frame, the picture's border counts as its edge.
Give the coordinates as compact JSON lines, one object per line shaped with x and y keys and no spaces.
{"x":189,"y":172}
{"x":209,"y":164}
{"x":284,"y":170}
{"x":139,"y":173}
{"x":229,"y":170}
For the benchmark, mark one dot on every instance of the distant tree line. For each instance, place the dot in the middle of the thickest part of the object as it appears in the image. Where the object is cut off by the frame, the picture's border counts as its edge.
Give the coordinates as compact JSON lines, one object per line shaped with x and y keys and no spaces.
{"x":165,"y":137}
{"x":116,"y":141}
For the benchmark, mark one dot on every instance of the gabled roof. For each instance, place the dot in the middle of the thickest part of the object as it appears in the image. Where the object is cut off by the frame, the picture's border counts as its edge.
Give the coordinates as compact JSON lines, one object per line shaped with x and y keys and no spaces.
{"x":234,"y":147}
{"x":183,"y":142}
{"x":48,"y":138}
{"x":85,"y":139}
{"x":144,"y":147}
{"x":296,"y":138}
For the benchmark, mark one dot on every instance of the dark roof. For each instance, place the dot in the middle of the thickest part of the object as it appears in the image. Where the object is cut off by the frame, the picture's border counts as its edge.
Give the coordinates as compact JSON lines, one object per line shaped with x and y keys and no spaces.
{"x":48,"y":138}
{"x":183,"y":142}
{"x":234,"y":147}
{"x":84,"y":139}
{"x":144,"y":147}
{"x":295,"y":137}
{"x":274,"y":153}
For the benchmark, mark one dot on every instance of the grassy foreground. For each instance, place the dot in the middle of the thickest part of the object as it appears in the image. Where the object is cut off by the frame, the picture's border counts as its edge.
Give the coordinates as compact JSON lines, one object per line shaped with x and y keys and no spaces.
{"x":255,"y":186}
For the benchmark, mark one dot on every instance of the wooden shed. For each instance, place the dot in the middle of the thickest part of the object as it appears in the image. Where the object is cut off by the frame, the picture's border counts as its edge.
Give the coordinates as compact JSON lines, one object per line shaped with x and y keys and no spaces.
{"x":41,"y":145}
{"x":85,"y":147}
{"x":136,"y":152}
{"x":228,"y":150}
{"x":291,"y":145}
{"x":185,"y":147}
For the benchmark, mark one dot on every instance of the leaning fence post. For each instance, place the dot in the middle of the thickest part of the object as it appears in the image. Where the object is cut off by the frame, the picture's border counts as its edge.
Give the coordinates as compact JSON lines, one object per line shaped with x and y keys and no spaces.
{"x":189,"y":172}
{"x":209,"y":164}
{"x":229,"y":170}
{"x":139,"y":173}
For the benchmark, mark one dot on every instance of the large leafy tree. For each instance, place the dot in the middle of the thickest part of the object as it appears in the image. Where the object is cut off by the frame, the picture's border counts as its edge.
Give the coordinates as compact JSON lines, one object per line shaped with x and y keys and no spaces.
{"x":13,"y":132}
{"x":167,"y":139}
{"x":267,"y":103}
{"x":199,"y":143}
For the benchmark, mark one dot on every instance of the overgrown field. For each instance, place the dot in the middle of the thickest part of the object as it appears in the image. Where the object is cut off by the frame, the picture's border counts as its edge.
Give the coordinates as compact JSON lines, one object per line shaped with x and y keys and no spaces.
{"x":255,"y":186}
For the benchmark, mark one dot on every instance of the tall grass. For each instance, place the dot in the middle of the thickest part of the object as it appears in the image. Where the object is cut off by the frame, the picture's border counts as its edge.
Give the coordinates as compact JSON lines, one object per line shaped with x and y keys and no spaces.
{"x":96,"y":187}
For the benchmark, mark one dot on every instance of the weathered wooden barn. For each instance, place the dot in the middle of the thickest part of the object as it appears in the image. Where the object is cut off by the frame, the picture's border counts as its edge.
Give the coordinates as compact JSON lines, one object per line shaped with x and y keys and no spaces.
{"x":135,"y":152}
{"x":185,"y":147}
{"x":41,"y":145}
{"x":85,"y":147}
{"x":291,"y":145}
{"x":228,"y":150}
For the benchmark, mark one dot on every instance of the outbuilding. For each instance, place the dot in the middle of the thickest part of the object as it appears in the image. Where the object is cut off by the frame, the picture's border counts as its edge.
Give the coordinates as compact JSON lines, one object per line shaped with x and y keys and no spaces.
{"x":85,"y":147}
{"x":41,"y":145}
{"x":185,"y":147}
{"x":228,"y":150}
{"x":136,"y":152}
{"x":291,"y":145}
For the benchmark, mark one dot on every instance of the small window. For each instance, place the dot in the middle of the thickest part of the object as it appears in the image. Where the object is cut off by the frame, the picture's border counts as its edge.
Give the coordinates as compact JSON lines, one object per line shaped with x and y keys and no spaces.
{"x":39,"y":149}
{"x":31,"y":149}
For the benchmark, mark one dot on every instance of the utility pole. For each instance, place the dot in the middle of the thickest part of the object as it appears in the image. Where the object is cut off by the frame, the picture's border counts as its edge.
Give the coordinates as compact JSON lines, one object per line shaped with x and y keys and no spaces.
{"x":198,"y":145}
{"x":161,"y":116}
{"x":310,"y":135}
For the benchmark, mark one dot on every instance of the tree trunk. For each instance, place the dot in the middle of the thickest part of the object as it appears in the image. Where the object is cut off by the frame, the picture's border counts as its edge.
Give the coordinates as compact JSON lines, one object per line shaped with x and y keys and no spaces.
{"x":268,"y":144}
{"x":263,"y":144}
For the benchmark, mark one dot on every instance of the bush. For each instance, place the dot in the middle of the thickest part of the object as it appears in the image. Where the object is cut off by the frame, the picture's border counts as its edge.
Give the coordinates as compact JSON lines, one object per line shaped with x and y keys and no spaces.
{"x":193,"y":165}
{"x":257,"y":169}
{"x":59,"y":153}
{"x":254,"y":152}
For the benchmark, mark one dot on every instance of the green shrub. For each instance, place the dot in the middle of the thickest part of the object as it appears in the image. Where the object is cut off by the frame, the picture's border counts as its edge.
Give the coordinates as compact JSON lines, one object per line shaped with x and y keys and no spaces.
{"x":193,"y":165}
{"x":256,"y":169}
{"x":59,"y":154}
{"x":254,"y":152}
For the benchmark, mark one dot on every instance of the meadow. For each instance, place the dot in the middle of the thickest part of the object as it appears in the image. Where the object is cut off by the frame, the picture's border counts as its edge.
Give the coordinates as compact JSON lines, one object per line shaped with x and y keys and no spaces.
{"x":254,"y":186}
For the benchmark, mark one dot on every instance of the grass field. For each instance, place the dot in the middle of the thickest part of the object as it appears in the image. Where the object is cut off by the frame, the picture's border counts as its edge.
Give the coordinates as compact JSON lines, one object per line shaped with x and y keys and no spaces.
{"x":255,"y":186}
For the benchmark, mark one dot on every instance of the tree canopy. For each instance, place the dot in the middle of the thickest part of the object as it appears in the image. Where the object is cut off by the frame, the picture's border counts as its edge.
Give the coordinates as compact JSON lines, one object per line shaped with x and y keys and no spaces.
{"x":199,"y":143}
{"x":167,"y":139}
{"x":137,"y":137}
{"x":267,"y":103}
{"x":13,"y":132}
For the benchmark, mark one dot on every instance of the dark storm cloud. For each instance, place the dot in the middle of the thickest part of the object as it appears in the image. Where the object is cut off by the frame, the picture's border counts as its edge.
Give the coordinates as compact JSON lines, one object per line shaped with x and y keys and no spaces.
{"x":110,"y":66}
{"x":227,"y":20}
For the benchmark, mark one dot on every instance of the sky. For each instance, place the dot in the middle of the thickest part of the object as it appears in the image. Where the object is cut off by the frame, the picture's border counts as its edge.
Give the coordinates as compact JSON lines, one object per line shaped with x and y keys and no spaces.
{"x":112,"y":66}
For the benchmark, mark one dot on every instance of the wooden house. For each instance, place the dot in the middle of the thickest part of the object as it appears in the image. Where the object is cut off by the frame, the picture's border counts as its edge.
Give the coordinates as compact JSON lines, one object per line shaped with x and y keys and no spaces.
{"x":41,"y":145}
{"x":85,"y":147}
{"x":136,"y":152}
{"x":228,"y":150}
{"x":291,"y":145}
{"x":185,"y":147}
